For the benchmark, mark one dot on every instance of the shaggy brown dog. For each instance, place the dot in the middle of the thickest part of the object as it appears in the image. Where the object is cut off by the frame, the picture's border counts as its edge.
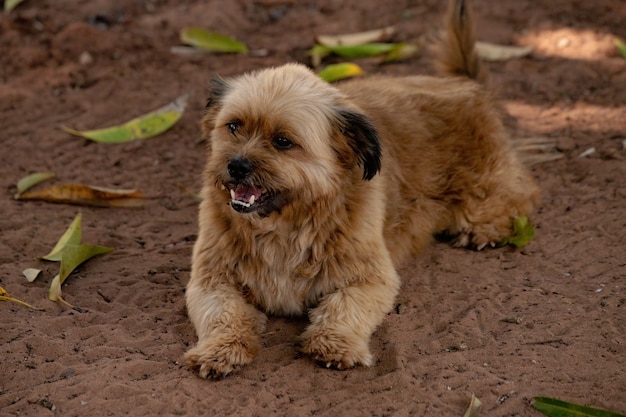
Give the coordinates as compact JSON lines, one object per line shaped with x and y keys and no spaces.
{"x":314,"y":194}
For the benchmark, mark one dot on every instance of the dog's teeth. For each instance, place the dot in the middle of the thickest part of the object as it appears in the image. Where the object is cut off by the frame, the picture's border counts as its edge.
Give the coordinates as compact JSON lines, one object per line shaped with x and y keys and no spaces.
{"x":251,"y":199}
{"x":222,"y":187}
{"x":232,"y":194}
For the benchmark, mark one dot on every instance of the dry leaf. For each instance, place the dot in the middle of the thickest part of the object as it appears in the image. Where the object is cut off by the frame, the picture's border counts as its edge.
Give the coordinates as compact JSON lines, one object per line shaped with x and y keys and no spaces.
{"x":493,"y":52}
{"x":351,"y":39}
{"x":31,"y":274}
{"x":143,"y":127}
{"x":4,"y":296}
{"x":87,"y":195}
{"x":474,"y":407}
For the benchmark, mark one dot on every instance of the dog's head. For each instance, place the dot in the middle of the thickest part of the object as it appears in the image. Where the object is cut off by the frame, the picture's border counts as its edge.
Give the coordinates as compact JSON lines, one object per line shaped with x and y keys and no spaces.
{"x":282,"y":135}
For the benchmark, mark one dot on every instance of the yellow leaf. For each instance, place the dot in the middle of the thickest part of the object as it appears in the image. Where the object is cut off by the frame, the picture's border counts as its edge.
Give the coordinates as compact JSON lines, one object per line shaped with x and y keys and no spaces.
{"x":10,"y":5}
{"x":336,"y":72}
{"x":4,"y":296}
{"x":31,"y":274}
{"x":211,"y":41}
{"x":72,"y":236}
{"x":143,"y":127}
{"x":31,"y":180}
{"x":493,"y":52}
{"x":87,"y":195}
{"x":351,"y":39}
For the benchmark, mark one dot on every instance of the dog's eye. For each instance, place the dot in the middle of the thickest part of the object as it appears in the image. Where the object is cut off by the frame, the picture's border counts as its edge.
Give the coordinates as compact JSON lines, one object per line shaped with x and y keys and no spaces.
{"x":233,"y":126}
{"x":281,"y":143}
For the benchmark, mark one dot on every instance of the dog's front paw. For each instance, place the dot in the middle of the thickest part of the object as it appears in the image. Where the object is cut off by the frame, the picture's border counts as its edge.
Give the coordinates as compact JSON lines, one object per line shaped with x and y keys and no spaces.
{"x":217,"y":357}
{"x":480,"y":236}
{"x":337,"y":352}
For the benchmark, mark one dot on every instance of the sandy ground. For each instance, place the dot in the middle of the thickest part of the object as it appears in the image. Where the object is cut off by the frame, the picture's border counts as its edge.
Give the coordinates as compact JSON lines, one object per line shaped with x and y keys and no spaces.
{"x":504,"y":324}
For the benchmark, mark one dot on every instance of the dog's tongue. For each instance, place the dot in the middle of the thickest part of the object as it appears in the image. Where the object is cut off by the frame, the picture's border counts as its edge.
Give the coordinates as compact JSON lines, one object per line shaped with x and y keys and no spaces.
{"x":243,"y":193}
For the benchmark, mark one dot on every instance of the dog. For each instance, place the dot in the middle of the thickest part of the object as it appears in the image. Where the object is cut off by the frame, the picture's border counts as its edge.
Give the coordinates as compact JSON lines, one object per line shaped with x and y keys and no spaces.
{"x":315,"y":193}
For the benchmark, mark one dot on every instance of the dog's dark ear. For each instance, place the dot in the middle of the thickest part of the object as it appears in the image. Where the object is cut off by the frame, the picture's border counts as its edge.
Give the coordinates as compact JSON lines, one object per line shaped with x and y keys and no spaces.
{"x":362,"y":139}
{"x":217,"y":88}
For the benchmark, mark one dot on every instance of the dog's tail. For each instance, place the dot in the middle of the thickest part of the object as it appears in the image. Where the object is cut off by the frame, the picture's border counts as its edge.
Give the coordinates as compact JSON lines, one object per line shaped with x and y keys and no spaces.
{"x":456,"y":53}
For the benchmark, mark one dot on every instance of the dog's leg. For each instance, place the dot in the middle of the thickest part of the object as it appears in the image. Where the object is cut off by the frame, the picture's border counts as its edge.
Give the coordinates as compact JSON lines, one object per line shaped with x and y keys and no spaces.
{"x":228,"y":329}
{"x":343,"y":322}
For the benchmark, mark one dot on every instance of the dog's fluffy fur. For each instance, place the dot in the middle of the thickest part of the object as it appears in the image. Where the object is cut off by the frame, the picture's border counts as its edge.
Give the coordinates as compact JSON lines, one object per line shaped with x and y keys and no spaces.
{"x":346,"y":182}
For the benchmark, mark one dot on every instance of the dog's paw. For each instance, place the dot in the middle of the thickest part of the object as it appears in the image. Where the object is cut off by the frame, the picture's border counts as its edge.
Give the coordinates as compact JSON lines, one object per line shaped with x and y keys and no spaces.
{"x":337,"y":352}
{"x":480,"y":236}
{"x":214,"y":358}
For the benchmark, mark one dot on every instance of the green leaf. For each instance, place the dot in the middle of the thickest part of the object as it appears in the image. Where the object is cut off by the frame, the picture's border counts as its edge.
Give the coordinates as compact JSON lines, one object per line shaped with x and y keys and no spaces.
{"x":621,"y":47}
{"x":360,"y":51}
{"x":31,"y":180}
{"x":211,"y":41}
{"x":10,"y":5}
{"x":523,"y":233}
{"x":557,"y":408}
{"x":73,"y":256}
{"x":401,"y":51}
{"x":336,"y":72}
{"x":144,"y":127}
{"x":72,"y":236}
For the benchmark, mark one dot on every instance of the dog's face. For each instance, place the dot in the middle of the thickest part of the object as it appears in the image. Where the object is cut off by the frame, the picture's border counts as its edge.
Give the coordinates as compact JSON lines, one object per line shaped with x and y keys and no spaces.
{"x":282,"y":136}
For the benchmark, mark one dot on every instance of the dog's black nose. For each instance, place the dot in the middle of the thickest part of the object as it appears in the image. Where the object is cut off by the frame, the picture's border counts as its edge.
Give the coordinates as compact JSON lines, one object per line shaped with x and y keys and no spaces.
{"x":239,"y":168}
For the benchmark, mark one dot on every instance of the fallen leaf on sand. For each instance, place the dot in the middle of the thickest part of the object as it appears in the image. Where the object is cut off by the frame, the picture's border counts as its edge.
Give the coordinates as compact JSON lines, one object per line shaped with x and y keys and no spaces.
{"x":71,"y":253}
{"x":143,"y":127}
{"x":350,"y":39}
{"x":335,"y":72}
{"x":557,"y":408}
{"x":31,"y":180}
{"x":4,"y":296}
{"x":31,"y":274}
{"x":72,"y":236}
{"x":87,"y":195}
{"x":319,"y":52}
{"x":493,"y":52}
{"x":211,"y":41}
{"x":474,"y":407}
{"x":71,"y":257}
{"x":10,"y":5}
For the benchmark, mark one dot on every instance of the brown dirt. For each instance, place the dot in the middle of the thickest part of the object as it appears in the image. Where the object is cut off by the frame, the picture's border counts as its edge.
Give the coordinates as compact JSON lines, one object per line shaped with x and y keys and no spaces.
{"x":505,"y":324}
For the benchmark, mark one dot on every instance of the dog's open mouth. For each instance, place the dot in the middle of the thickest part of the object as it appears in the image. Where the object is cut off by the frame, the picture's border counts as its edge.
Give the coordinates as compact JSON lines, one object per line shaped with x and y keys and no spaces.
{"x":246,"y":199}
